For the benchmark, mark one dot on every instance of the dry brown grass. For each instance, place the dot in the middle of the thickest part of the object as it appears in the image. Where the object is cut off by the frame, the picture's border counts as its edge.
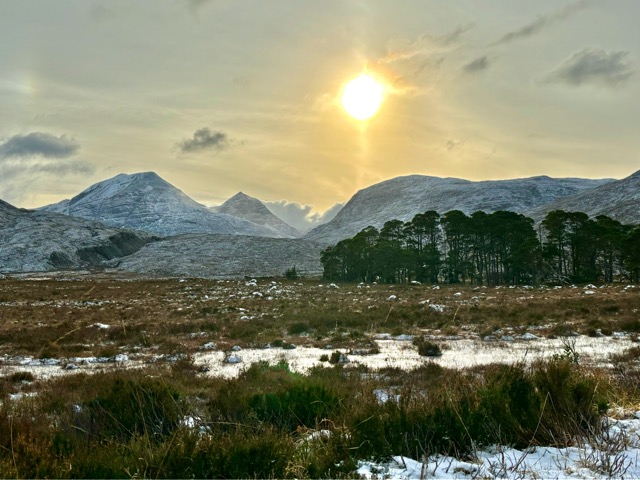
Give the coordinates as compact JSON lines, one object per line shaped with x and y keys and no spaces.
{"x":53,"y":318}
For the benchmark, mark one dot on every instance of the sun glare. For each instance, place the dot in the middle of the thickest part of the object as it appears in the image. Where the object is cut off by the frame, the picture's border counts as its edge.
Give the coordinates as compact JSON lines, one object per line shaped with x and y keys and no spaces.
{"x":362,"y":97}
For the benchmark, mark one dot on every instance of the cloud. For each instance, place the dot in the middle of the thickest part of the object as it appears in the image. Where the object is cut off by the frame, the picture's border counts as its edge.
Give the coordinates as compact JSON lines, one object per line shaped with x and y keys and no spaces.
{"x":205,"y":139}
{"x":196,"y":4}
{"x":453,"y":36}
{"x":17,"y":175}
{"x":593,"y":66}
{"x":541,"y":23}
{"x":452,"y":144}
{"x":299,"y":216}
{"x":477,"y":65}
{"x":406,"y":60}
{"x":38,"y":144}
{"x":399,"y":50}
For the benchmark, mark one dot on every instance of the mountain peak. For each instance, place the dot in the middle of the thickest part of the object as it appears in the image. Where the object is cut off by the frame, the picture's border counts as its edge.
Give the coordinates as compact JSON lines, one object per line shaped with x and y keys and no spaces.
{"x":241,"y":196}
{"x":147,"y":176}
{"x":250,"y":208}
{"x":145,"y":201}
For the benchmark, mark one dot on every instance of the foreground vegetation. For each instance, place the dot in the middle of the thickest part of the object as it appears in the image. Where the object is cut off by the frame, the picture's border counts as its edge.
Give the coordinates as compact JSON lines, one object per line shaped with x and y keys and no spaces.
{"x":170,"y":419}
{"x":271,"y":422}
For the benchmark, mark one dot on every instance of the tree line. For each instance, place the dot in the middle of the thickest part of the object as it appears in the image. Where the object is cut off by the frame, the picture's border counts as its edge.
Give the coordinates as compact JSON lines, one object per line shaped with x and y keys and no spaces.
{"x":500,"y":248}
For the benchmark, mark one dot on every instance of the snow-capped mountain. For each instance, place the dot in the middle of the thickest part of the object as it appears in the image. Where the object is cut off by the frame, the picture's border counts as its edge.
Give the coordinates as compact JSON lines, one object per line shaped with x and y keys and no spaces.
{"x":403,"y":197}
{"x":619,"y":200}
{"x":144,"y":201}
{"x":242,"y":205}
{"x":34,"y":241}
{"x":224,"y":256}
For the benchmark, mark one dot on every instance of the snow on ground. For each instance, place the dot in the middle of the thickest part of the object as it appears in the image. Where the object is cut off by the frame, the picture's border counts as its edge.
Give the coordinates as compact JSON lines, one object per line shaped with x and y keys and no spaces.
{"x":615,"y":454}
{"x":460,"y":353}
{"x":395,"y":352}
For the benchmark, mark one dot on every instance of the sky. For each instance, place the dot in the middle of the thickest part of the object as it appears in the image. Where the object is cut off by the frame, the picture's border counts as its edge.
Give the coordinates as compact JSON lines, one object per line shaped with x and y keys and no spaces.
{"x":221,"y":96}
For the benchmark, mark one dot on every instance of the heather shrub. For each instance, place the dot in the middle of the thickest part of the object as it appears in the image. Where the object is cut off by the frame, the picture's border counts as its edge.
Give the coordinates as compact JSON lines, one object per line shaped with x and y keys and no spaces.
{"x":300,"y":405}
{"x":129,"y":407}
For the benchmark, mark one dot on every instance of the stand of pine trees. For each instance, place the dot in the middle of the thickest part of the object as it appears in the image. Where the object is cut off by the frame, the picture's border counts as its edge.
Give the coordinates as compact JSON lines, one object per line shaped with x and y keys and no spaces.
{"x":500,"y":248}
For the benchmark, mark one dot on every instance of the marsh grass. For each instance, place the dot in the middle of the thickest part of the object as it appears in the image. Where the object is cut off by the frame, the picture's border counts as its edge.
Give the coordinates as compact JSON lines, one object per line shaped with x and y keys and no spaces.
{"x":52,"y":318}
{"x":268,"y":422}
{"x":168,"y":420}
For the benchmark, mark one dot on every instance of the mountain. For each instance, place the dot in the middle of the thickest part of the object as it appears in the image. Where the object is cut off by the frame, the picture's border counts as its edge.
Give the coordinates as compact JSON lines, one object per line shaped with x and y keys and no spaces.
{"x":223,"y":256}
{"x":619,"y":200}
{"x":403,"y":197}
{"x":35,"y":241}
{"x":144,"y":201}
{"x":242,"y":205}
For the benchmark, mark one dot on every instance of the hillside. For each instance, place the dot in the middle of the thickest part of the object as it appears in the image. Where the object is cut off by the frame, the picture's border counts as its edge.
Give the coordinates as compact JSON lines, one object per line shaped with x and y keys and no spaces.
{"x":403,"y":197}
{"x":144,"y":201}
{"x":35,"y":241}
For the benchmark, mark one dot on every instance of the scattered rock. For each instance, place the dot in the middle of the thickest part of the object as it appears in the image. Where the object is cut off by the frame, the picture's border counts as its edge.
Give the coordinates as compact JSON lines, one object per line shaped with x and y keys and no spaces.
{"x":528,"y":336}
{"x":404,"y":338}
{"x":233,"y":359}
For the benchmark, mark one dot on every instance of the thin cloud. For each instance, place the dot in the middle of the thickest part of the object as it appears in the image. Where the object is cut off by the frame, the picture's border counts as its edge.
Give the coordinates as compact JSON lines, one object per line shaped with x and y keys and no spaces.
{"x":407,"y":60}
{"x":425,"y":45}
{"x":477,"y":65}
{"x":595,"y":67}
{"x":38,"y":144}
{"x":16,"y":175}
{"x":197,"y":4}
{"x":205,"y":139}
{"x":454,"y":35}
{"x":453,"y":143}
{"x":542,"y":23}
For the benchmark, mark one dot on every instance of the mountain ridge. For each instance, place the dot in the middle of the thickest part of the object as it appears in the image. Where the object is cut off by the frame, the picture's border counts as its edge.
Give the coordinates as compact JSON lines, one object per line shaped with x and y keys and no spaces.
{"x":403,"y":197}
{"x":145,"y":201}
{"x":619,"y":200}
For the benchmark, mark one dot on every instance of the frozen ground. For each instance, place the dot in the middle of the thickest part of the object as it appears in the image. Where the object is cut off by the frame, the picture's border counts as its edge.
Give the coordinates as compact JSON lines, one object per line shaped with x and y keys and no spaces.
{"x":457,"y":353}
{"x":614,"y":454}
{"x":397,"y":353}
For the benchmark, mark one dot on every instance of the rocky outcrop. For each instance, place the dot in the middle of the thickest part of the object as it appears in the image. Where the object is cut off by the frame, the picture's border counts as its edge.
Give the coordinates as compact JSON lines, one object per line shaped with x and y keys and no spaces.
{"x":33,"y":241}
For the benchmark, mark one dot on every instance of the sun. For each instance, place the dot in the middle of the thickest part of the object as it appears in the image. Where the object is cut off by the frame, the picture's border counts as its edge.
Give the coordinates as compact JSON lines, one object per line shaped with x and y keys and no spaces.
{"x":362,"y":97}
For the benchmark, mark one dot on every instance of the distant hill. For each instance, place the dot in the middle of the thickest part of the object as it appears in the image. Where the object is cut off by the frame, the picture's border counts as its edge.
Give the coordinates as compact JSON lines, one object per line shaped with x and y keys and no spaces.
{"x":33,"y":241}
{"x":403,"y":197}
{"x":619,"y":200}
{"x":144,"y":201}
{"x":223,"y":256}
{"x":249,"y":208}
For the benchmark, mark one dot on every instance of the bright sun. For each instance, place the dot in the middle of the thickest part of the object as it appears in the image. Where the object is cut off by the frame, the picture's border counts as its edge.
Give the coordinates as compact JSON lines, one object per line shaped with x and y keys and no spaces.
{"x":362,"y":97}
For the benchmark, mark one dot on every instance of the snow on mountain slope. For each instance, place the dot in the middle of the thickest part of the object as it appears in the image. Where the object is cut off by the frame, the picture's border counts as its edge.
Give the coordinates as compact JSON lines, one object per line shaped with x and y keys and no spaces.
{"x":33,"y":241}
{"x":619,"y":200}
{"x":224,"y":256}
{"x":242,"y":205}
{"x":144,"y":201}
{"x":403,"y":197}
